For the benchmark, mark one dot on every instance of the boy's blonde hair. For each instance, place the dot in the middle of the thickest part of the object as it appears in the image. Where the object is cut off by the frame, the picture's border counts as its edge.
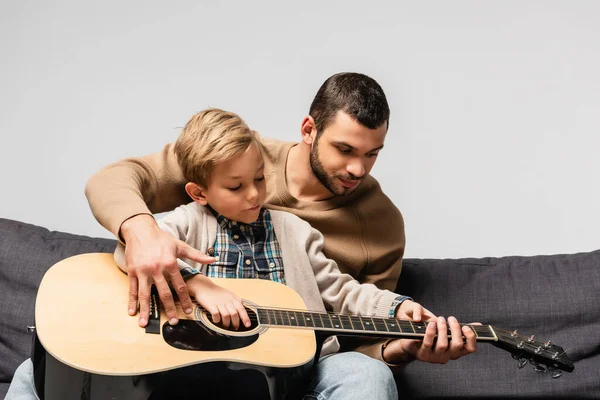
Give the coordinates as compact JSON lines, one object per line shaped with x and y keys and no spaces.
{"x":211,"y":137}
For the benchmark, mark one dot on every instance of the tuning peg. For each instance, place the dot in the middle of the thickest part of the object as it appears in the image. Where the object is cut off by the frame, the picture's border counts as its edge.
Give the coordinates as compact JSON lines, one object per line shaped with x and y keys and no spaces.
{"x":547,"y":344}
{"x":521,"y":363}
{"x":520,"y":345}
{"x":555,"y":373}
{"x":537,"y":367}
{"x":514,"y":334}
{"x":530,"y":338}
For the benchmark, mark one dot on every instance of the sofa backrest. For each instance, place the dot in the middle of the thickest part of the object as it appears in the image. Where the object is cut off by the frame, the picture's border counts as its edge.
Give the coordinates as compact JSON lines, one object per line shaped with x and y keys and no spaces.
{"x":26,"y":253}
{"x":554,"y":297}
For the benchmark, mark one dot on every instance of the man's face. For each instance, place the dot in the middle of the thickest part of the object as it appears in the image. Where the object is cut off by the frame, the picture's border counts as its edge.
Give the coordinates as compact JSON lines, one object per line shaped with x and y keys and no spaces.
{"x":344,"y":153}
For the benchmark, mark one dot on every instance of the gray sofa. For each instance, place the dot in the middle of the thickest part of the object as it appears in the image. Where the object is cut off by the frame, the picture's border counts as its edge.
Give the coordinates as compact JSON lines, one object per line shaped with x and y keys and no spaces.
{"x":554,"y":297}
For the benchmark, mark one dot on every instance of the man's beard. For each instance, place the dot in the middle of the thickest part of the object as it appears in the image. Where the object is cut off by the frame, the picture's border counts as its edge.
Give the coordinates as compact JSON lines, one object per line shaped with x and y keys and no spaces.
{"x":326,"y":179}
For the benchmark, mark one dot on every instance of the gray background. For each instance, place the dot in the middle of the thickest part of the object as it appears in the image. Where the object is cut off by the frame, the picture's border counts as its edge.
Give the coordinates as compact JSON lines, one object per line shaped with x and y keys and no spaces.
{"x":493,"y":142}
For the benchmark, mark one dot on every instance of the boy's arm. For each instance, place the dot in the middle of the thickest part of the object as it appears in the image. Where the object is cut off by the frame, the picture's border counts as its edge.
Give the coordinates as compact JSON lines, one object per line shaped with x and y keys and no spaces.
{"x":134,"y":186}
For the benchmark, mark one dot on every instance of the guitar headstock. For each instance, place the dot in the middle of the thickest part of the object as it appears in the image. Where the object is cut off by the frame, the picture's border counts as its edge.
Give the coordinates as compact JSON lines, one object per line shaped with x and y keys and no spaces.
{"x":544,"y":356}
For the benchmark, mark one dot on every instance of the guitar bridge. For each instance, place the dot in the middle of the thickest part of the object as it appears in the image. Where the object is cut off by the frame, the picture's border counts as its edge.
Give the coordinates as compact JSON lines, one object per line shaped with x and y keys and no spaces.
{"x":153,"y":325}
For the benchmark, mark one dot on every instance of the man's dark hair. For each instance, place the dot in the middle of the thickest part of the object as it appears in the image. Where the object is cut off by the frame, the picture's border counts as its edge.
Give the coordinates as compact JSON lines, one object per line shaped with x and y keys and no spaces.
{"x":356,"y":94}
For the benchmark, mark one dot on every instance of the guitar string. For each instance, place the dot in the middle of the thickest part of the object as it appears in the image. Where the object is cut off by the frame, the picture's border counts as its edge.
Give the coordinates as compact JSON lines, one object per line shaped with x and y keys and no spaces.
{"x":479,"y":329}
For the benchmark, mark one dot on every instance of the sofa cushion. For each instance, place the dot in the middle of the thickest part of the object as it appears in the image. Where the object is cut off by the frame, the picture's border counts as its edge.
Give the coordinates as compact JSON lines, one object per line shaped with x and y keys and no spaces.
{"x":552,"y":297}
{"x":26,"y":252}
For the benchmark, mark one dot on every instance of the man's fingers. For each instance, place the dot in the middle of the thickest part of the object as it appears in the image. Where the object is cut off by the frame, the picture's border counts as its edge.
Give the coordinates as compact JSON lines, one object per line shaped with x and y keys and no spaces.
{"x":429,"y":336}
{"x":182,"y":291}
{"x":186,"y":251}
{"x":456,"y":332}
{"x":442,"y":335}
{"x":164,"y":292}
{"x":471,"y":342}
{"x":132,"y":304}
{"x":144,"y":299}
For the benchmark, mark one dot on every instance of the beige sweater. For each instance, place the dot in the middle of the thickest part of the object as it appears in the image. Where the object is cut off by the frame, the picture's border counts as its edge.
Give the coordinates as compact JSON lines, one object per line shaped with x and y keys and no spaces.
{"x":316,"y":278}
{"x":364,"y":232}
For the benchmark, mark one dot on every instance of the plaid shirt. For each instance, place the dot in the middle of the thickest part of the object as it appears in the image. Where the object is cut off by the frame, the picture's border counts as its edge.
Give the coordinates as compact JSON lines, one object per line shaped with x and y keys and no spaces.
{"x":244,"y":251}
{"x":251,"y":251}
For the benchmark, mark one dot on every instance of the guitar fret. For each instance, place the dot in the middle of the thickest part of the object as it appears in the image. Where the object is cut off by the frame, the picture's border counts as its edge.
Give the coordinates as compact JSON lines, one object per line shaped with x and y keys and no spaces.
{"x":326,"y":321}
{"x":335,"y":321}
{"x":345,"y":321}
{"x":317,"y":320}
{"x":308,"y":319}
{"x":368,"y":323}
{"x":273,"y":317}
{"x":286,"y":318}
{"x":380,"y":324}
{"x":301,"y":321}
{"x":263,"y":316}
{"x":392,"y":325}
{"x":293,"y":318}
{"x":406,"y":326}
{"x":357,"y":323}
{"x":483,"y":331}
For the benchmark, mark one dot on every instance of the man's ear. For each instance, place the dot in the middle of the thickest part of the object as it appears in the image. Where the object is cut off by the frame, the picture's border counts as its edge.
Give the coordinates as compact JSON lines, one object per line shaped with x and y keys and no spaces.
{"x":196,"y":192}
{"x":308,"y":130}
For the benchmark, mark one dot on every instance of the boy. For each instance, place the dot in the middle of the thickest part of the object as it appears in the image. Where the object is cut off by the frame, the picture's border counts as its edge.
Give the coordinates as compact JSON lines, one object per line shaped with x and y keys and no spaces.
{"x":221,"y":158}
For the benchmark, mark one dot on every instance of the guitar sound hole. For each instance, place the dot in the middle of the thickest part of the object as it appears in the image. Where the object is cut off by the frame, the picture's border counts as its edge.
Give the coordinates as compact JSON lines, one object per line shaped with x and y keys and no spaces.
{"x":253,"y":322}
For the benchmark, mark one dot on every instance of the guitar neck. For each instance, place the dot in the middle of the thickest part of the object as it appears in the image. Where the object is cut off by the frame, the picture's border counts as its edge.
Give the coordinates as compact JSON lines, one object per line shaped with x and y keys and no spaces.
{"x":353,"y":325}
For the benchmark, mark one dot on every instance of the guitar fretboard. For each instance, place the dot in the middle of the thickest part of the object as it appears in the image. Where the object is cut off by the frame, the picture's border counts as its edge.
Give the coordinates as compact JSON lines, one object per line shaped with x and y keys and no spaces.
{"x":356,"y":325}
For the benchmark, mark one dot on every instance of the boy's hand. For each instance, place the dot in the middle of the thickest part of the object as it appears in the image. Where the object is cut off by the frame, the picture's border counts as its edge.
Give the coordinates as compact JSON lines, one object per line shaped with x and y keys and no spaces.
{"x":151,"y":258}
{"x":224,"y":306}
{"x":431,"y":349}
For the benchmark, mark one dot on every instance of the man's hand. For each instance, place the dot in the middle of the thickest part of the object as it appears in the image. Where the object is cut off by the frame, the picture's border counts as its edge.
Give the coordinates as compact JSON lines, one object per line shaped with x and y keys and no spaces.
{"x":431,"y":349}
{"x":151,"y":258}
{"x":224,"y":306}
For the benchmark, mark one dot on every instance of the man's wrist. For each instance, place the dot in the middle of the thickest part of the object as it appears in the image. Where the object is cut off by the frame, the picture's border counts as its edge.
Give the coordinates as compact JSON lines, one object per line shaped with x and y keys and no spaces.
{"x":398,"y":359}
{"x":131,"y":227}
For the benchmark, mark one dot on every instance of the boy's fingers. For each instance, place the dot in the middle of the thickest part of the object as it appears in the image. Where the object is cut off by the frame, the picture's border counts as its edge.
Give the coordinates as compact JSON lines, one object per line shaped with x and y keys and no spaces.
{"x":243,"y":314}
{"x":235,"y":318}
{"x":225,"y":318}
{"x":214,"y":313}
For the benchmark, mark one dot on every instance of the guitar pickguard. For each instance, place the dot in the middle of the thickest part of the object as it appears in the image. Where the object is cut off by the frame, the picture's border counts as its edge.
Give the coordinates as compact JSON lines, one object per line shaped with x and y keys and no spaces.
{"x":193,"y":335}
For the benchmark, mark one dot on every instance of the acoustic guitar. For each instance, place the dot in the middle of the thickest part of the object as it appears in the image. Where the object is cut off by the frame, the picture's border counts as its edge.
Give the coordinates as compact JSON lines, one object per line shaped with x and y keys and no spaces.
{"x":81,"y":320}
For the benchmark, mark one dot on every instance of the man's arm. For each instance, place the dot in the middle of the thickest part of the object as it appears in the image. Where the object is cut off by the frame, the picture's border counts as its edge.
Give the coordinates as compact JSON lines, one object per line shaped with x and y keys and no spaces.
{"x":133,"y":186}
{"x":122,"y":197}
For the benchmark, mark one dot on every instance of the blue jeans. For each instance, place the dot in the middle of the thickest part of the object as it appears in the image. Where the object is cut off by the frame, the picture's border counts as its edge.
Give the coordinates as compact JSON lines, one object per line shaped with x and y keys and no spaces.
{"x":339,"y":376}
{"x":22,"y":386}
{"x":352,"y":375}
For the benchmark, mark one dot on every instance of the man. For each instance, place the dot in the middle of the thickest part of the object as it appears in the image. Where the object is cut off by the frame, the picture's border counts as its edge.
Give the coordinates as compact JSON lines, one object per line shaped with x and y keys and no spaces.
{"x":324,"y":180}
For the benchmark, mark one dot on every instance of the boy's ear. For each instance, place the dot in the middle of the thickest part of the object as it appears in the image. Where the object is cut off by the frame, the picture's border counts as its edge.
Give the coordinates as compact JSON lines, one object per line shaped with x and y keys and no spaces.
{"x":196,"y":192}
{"x":308,"y":130}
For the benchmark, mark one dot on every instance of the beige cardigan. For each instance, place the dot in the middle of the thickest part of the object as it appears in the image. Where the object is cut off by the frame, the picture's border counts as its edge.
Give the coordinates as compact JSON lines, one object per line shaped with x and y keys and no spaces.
{"x":316,"y":278}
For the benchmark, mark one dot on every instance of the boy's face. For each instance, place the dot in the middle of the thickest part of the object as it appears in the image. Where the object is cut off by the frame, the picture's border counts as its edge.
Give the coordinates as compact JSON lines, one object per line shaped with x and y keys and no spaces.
{"x":345,"y":153}
{"x":237,"y":187}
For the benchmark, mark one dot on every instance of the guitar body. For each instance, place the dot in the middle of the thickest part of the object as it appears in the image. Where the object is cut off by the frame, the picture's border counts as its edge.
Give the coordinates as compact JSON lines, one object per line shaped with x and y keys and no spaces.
{"x":82,"y":321}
